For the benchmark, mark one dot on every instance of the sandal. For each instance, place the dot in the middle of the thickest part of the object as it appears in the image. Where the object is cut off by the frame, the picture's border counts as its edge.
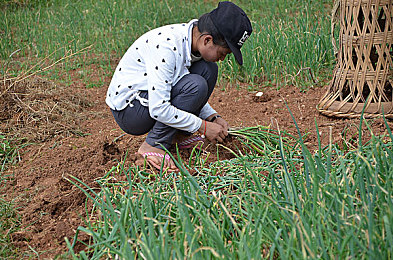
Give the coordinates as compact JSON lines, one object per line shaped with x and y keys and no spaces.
{"x":192,"y":142}
{"x":153,"y":164}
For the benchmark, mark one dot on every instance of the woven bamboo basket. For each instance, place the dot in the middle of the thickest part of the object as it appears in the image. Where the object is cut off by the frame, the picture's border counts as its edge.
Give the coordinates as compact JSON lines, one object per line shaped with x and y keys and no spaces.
{"x":363,"y":75}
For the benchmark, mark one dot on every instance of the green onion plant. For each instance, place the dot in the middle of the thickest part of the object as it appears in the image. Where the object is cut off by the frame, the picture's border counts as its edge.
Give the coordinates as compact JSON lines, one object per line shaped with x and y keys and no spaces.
{"x":257,"y":205}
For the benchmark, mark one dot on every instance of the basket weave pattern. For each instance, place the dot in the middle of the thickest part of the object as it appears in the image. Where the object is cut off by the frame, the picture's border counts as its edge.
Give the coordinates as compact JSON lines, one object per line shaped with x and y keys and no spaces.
{"x":363,"y":75}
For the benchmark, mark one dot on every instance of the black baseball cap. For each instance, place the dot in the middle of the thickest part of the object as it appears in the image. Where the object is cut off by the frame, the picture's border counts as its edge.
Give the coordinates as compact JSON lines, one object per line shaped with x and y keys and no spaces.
{"x":232,"y":22}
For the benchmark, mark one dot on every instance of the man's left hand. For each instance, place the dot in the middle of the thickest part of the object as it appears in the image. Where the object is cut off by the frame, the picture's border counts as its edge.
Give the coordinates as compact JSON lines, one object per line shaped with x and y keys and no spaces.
{"x":221,"y":121}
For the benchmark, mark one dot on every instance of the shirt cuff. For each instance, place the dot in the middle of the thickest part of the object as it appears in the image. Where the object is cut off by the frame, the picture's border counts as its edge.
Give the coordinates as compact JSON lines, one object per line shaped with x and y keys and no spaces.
{"x":206,"y":111}
{"x":199,"y":124}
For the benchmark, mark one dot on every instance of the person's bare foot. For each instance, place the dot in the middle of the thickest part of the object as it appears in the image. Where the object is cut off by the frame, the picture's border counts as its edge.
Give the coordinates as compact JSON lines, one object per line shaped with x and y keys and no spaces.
{"x":155,"y":156}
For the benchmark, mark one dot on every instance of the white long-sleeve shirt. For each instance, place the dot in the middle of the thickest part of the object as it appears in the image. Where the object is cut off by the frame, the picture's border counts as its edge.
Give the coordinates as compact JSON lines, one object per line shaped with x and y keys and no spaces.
{"x":155,"y":62}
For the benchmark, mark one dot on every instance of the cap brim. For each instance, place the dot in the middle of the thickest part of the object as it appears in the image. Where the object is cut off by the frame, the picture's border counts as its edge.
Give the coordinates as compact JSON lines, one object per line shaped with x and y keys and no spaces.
{"x":236,"y":52}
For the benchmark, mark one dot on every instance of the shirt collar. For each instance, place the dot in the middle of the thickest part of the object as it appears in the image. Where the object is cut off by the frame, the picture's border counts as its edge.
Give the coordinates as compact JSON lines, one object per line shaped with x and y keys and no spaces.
{"x":190,"y":26}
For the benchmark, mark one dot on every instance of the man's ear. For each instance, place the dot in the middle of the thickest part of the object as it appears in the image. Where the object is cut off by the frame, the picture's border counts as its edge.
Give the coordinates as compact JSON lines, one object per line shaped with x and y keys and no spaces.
{"x":207,"y":39}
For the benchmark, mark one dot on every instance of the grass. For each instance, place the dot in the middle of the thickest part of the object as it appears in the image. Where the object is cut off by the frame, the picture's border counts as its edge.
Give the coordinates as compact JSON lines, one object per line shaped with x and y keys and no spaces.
{"x":276,"y":201}
{"x":8,"y":152}
{"x":290,"y":43}
{"x":9,"y":224}
{"x":9,"y":219}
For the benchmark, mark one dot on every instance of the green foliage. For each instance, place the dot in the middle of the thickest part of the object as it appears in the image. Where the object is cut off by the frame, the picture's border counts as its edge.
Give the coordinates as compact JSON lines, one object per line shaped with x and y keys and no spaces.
{"x":290,"y":43}
{"x":9,"y":220}
{"x":278,"y":200}
{"x":9,"y":223}
{"x":14,"y":4}
{"x":8,"y":152}
{"x":109,"y":25}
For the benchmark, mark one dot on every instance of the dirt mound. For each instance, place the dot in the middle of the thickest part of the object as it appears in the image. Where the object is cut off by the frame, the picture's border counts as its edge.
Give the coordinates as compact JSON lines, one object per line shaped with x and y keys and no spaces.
{"x":52,"y":207}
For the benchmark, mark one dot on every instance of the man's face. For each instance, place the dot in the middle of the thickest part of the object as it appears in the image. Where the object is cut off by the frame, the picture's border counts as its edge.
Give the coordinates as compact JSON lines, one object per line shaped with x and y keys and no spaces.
{"x":212,"y":52}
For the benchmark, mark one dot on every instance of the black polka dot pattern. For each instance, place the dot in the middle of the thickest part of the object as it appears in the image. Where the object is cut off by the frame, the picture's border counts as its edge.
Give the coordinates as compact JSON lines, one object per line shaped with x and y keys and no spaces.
{"x":157,"y":57}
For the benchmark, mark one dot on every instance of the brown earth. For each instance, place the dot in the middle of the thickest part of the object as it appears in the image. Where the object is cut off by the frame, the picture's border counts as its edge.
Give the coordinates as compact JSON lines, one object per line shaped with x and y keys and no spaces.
{"x":89,"y":143}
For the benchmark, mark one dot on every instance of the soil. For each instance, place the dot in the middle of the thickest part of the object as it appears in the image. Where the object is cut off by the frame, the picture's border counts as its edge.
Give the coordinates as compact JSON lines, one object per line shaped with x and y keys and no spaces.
{"x":90,"y":143}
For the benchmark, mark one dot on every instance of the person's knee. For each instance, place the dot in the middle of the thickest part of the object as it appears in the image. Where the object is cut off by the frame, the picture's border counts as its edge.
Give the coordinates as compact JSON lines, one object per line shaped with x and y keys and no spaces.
{"x":208,"y":70}
{"x":200,"y":86}
{"x":132,"y":122}
{"x":195,"y":86}
{"x":191,"y":93}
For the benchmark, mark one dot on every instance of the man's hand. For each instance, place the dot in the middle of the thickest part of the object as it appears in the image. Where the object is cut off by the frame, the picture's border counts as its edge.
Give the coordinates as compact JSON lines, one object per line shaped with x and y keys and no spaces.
{"x":223,"y":123}
{"x":215,"y":131}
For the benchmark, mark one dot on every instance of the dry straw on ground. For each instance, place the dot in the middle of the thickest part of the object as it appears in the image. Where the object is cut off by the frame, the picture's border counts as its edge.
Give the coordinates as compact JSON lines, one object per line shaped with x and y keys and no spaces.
{"x":38,"y":110}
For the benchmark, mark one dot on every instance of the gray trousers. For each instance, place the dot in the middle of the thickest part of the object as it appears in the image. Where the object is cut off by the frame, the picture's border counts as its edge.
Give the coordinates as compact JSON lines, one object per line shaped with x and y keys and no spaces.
{"x":190,"y":94}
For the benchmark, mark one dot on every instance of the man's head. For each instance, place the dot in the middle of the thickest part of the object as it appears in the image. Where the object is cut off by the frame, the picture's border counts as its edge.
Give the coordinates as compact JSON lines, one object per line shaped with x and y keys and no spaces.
{"x":229,"y":26}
